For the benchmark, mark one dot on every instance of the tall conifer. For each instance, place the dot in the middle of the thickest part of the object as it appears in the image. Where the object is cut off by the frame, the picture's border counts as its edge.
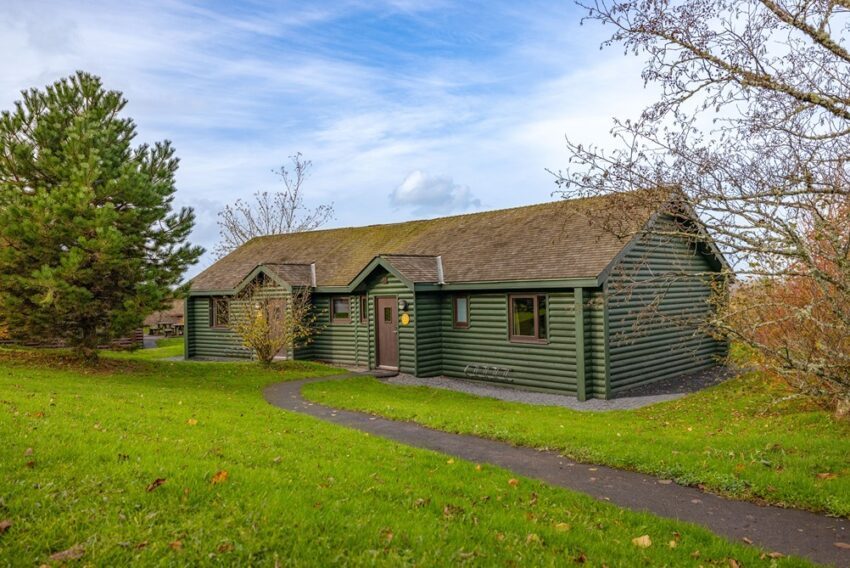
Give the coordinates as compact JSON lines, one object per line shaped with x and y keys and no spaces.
{"x":89,"y":241}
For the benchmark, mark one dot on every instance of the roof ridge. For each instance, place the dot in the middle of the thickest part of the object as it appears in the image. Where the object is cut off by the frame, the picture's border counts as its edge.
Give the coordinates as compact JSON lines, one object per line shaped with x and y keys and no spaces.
{"x":432,"y":219}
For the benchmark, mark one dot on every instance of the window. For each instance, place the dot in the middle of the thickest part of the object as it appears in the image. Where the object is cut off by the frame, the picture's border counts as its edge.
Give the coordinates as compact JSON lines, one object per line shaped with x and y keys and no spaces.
{"x":461,"y":312}
{"x":364,"y":309}
{"x":340,"y":310}
{"x":528,"y":318}
{"x":219,"y":312}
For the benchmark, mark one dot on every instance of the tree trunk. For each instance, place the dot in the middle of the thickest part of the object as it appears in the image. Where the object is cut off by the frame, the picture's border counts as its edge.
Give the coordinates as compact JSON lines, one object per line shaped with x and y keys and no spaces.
{"x":86,"y":349}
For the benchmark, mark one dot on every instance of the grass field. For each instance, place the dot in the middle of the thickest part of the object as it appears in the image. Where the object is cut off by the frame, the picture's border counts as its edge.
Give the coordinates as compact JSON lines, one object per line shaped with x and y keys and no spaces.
{"x":175,"y":463}
{"x":165,"y":348}
{"x":744,"y":438}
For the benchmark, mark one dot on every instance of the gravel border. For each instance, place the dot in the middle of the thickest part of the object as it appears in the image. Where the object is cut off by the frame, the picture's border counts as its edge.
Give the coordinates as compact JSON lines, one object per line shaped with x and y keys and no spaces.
{"x":638,"y":397}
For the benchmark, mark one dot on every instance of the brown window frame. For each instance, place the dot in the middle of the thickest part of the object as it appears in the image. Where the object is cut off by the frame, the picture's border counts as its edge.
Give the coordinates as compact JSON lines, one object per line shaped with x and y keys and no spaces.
{"x":455,"y":323}
{"x":214,"y":302}
{"x":336,"y":320}
{"x":536,"y":339}
{"x":364,"y":308}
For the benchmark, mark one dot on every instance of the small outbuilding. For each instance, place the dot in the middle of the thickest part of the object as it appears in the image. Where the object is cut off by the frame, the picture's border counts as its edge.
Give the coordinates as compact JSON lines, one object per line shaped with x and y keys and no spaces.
{"x":168,"y":322}
{"x":540,"y":297}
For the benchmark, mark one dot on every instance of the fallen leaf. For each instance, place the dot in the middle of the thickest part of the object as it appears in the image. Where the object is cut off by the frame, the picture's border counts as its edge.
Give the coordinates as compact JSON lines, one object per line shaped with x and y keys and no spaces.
{"x":733,"y":563}
{"x":827,"y":476}
{"x":175,"y":545}
{"x":672,"y":544}
{"x":6,"y":524}
{"x":513,"y":482}
{"x":277,"y":459}
{"x":747,"y":540}
{"x":665,"y":481}
{"x":562,"y":527}
{"x":224,"y":548}
{"x":478,"y":467}
{"x":450,"y":511}
{"x":192,"y":422}
{"x":581,"y":558}
{"x":39,"y":414}
{"x":30,"y":464}
{"x":843,"y":545}
{"x":388,"y":535}
{"x":532,"y":538}
{"x":155,"y":483}
{"x":642,"y":541}
{"x":775,"y":555}
{"x":142,"y":545}
{"x":28,"y":452}
{"x":450,"y":461}
{"x":219,"y":477}
{"x":73,"y":553}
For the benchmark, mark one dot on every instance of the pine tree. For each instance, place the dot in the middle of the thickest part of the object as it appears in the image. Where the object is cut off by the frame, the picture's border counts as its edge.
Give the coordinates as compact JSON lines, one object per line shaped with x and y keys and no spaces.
{"x":89,"y":242}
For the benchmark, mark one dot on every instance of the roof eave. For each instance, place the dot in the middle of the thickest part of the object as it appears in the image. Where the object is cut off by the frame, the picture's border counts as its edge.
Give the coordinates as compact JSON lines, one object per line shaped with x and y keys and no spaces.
{"x":585,"y":282}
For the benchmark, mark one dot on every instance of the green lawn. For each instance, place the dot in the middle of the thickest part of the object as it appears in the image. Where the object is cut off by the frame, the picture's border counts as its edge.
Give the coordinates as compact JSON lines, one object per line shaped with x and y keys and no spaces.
{"x":83,"y":449}
{"x":165,"y":348}
{"x":744,"y":438}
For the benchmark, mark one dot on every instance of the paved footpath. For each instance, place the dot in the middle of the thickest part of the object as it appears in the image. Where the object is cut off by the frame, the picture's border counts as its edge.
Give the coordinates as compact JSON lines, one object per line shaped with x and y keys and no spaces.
{"x":788,"y":531}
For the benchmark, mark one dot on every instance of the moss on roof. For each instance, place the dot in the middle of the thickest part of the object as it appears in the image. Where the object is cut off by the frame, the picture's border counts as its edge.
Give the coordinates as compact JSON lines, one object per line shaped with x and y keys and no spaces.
{"x":556,"y":240}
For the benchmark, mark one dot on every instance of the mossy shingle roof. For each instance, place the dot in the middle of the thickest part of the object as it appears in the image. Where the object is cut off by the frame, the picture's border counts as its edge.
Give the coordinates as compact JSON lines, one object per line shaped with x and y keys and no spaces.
{"x":557,"y":240}
{"x":294,"y":274}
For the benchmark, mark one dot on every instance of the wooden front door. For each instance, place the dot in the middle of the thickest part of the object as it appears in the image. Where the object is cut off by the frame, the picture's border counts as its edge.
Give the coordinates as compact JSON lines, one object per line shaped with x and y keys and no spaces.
{"x":386,"y":332}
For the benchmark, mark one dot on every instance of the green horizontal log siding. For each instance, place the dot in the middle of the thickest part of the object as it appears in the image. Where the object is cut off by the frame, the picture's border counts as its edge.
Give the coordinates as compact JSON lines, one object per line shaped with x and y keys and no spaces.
{"x":338,"y":343}
{"x":361,"y":335}
{"x":549,"y":366}
{"x":429,"y":352}
{"x":657,"y":301}
{"x":594,"y":343}
{"x":205,"y":341}
{"x":382,"y":283}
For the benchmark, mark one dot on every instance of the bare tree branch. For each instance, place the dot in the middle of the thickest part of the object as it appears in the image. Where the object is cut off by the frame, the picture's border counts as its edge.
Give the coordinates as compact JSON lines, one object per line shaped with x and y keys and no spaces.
{"x":752,"y":129}
{"x":272,"y":213}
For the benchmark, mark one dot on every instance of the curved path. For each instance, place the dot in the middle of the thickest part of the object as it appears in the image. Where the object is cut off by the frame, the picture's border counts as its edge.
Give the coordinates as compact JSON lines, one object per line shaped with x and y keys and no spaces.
{"x":788,"y":531}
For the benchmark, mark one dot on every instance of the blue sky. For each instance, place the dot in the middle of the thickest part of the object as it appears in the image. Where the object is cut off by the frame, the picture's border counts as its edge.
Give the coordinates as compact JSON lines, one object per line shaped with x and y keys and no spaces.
{"x":407,"y":109}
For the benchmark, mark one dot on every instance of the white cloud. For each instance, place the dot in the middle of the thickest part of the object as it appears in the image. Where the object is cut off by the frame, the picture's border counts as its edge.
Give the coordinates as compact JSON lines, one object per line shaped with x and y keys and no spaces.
{"x":238,"y":91}
{"x":426,"y":194}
